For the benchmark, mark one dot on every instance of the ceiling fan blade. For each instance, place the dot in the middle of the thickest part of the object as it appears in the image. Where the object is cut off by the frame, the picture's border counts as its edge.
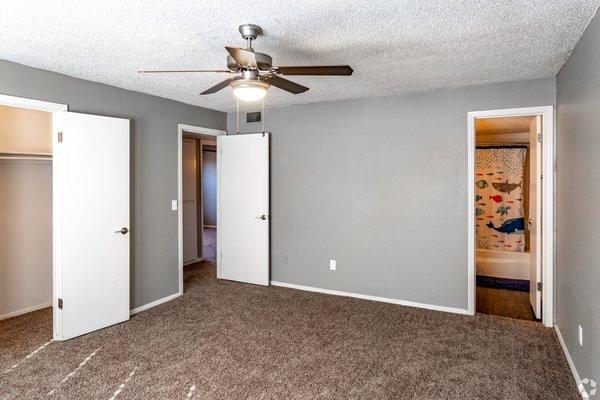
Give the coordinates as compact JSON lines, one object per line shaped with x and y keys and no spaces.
{"x":219,"y":86}
{"x":243,"y":57}
{"x":168,"y":71}
{"x":284,"y":84}
{"x":344,"y":70}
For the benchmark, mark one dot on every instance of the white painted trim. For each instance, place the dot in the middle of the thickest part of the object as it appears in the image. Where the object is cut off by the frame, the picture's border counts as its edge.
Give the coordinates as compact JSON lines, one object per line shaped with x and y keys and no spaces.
{"x":200,"y":130}
{"x":154,"y":303}
{"x":471,"y":275}
{"x":56,"y":232}
{"x":548,"y":171}
{"x":188,"y":129}
{"x":372,"y":298}
{"x":565,"y":350}
{"x":23,"y":102}
{"x":25,"y":310}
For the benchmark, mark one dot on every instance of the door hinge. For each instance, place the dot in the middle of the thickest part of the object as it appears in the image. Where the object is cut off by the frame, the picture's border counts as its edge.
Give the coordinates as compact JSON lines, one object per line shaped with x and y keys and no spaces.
{"x":539,"y":137}
{"x":60,"y":304}
{"x":540,"y":286}
{"x":60,"y":137}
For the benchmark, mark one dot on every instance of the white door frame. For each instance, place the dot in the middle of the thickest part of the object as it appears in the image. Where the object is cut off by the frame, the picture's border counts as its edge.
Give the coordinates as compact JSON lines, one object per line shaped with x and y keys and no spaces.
{"x":181,"y":128}
{"x":548,"y":172}
{"x":22,"y":102}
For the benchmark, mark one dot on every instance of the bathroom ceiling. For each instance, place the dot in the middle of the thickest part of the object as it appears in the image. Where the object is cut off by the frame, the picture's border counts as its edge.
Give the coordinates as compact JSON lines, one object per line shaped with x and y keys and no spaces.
{"x":493,"y":126}
{"x":394,"y":47}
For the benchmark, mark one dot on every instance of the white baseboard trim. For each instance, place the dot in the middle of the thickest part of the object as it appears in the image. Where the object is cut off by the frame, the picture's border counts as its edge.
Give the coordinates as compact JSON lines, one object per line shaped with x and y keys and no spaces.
{"x":25,"y":310}
{"x":565,"y":349}
{"x":154,"y":303}
{"x":373,"y":298}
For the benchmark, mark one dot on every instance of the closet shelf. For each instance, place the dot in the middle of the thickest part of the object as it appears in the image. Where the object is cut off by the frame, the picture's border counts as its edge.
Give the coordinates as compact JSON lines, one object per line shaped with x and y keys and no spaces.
{"x":25,"y":156}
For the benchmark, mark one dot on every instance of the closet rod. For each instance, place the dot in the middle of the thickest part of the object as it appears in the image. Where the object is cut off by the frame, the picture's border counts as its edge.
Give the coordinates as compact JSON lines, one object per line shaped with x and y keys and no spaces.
{"x":25,"y":158}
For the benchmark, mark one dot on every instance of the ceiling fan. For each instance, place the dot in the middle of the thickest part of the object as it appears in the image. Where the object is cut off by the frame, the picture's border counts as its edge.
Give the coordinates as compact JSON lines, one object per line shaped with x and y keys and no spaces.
{"x":254,"y":72}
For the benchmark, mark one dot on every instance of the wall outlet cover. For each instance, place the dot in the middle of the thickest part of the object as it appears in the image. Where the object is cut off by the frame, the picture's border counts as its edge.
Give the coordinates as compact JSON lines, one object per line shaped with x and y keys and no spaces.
{"x":173,"y":205}
{"x":332,"y":265}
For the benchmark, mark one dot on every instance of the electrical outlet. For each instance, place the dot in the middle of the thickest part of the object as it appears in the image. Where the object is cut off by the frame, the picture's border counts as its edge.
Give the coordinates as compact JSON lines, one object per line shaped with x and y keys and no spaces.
{"x":580,"y":335}
{"x":332,"y":265}
{"x":173,"y":205}
{"x":286,"y":259}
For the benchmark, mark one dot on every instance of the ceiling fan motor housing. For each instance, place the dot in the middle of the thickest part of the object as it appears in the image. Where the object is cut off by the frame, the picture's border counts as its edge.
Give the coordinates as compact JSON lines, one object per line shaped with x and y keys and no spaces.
{"x":264,"y":62}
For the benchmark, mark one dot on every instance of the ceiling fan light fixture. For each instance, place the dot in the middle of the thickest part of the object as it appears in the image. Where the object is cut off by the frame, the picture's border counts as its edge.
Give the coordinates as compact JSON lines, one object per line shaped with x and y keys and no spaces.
{"x":249,"y":90}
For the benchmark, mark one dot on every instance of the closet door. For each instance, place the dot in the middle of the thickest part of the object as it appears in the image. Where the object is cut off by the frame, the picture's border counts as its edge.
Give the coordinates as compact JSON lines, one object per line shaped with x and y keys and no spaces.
{"x":190,"y":202}
{"x":91,"y":222}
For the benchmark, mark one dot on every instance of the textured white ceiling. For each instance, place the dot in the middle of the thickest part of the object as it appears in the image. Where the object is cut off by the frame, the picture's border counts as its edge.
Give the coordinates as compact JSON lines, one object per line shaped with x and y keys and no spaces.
{"x":394,"y":46}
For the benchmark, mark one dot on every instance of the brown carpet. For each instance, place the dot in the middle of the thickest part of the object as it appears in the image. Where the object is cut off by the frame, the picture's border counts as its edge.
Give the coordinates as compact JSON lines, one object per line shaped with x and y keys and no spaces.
{"x":209,"y":244}
{"x":225,"y":340}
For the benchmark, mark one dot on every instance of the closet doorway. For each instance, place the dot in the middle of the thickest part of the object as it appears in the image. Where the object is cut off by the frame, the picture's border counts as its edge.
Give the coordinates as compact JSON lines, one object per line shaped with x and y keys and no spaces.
{"x":64,"y":218}
{"x":26,"y":214}
{"x":510,"y":213}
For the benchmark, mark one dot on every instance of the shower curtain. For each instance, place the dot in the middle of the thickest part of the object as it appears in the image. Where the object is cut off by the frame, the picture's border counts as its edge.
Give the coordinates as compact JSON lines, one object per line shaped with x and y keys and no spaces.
{"x":499,"y":204}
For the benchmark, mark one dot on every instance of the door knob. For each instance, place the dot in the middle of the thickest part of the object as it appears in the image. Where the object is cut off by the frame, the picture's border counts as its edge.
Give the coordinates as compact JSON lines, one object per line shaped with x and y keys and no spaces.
{"x":123,"y":231}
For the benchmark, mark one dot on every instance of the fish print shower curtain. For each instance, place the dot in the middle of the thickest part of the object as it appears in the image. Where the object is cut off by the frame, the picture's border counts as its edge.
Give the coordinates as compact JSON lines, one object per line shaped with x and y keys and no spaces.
{"x":499,"y":205}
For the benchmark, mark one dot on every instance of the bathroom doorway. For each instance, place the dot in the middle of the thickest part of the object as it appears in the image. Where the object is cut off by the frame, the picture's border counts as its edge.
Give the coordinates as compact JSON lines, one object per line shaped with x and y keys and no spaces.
{"x":510,"y":272}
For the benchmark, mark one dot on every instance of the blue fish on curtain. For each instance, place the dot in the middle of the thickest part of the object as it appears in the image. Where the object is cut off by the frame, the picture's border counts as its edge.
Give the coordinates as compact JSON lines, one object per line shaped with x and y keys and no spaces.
{"x":515,"y":225}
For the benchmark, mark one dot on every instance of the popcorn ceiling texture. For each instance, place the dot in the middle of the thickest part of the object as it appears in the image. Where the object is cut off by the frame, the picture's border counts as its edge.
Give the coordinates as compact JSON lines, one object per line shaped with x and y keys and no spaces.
{"x":394,"y":47}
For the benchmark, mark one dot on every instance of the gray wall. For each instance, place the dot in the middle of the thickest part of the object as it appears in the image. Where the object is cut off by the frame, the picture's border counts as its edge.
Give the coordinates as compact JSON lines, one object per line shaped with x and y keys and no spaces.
{"x":209,"y":187}
{"x":380,"y":185}
{"x":578,"y":191}
{"x":154,"y":271}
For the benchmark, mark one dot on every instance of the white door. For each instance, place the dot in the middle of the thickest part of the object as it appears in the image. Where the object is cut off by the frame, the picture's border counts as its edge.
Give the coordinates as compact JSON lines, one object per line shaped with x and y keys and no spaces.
{"x":243,"y":208}
{"x":91,"y":222}
{"x":535,"y":215}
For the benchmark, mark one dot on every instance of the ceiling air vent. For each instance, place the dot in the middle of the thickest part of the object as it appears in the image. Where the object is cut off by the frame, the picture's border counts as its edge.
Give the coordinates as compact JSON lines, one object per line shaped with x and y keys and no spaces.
{"x":252,"y":117}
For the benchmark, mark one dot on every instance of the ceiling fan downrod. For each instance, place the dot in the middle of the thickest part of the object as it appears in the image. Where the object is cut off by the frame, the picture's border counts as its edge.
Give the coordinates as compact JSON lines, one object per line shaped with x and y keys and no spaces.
{"x":250,"y":32}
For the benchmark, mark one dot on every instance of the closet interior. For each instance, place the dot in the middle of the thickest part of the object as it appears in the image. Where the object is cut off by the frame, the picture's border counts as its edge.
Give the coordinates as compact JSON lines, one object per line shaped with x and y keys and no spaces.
{"x":25,"y":211}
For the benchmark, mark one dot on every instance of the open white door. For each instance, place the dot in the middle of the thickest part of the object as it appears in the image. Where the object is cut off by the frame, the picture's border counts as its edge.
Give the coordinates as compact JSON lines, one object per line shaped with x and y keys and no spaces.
{"x":91,"y":222}
{"x":243,"y":208}
{"x":535,"y":215}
